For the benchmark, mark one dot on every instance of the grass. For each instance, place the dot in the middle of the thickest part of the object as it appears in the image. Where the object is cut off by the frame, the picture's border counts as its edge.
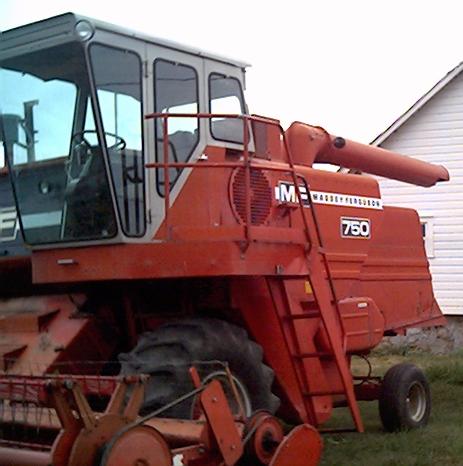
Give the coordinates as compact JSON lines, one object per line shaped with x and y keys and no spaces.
{"x":440,"y":443}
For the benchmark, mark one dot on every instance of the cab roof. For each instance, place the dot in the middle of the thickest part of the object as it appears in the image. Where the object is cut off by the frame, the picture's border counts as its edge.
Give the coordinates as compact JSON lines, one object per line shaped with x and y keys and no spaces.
{"x":64,"y":26}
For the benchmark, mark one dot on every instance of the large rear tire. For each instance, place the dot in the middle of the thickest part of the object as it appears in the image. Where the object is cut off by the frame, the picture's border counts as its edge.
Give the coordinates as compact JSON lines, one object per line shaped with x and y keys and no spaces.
{"x":167,"y":353}
{"x":405,"y":398}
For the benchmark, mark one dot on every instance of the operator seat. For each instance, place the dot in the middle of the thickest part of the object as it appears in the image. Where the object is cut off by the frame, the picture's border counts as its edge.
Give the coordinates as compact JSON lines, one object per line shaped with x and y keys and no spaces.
{"x":89,"y":212}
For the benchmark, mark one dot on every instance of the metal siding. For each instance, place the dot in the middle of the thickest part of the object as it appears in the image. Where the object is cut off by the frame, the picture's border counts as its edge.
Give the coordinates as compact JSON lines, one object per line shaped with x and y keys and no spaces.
{"x":435,"y":134}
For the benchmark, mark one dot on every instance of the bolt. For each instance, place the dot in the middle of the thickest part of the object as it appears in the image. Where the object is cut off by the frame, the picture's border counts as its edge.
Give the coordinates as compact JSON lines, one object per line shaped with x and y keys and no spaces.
{"x":69,"y":384}
{"x":339,"y":142}
{"x":214,"y":399}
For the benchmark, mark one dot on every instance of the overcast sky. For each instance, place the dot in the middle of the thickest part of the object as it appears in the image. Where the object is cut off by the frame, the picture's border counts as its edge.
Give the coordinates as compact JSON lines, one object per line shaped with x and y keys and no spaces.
{"x":350,"y":66}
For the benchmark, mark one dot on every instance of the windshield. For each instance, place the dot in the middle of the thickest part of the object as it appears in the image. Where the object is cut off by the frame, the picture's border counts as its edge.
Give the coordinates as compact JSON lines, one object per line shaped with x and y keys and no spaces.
{"x":55,"y":157}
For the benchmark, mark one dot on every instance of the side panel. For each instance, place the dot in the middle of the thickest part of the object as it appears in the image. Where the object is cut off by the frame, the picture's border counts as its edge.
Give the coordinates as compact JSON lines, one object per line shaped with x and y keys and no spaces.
{"x":389,"y":264}
{"x":265,"y":305}
{"x":252,"y":297}
{"x":396,"y":273}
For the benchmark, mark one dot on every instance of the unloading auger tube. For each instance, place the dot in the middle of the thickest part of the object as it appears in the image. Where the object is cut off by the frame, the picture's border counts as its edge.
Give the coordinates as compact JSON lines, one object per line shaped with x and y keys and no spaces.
{"x":311,"y":144}
{"x":119,"y":437}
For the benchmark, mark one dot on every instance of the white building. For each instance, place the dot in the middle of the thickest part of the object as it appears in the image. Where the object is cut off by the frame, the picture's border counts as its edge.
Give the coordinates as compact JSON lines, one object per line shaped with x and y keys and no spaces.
{"x":432,"y":130}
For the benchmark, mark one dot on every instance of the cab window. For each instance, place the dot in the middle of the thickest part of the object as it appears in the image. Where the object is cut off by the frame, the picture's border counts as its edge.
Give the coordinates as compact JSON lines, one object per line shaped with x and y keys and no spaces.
{"x":176,"y":91}
{"x":226,"y":97}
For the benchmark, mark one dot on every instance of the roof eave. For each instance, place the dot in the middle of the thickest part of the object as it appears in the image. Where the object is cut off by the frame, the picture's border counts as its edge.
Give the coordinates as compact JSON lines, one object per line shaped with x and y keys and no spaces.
{"x":417,"y":105}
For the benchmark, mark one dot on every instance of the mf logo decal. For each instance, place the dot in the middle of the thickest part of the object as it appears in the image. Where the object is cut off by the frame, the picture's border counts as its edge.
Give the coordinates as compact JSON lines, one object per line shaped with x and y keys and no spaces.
{"x":285,"y":192}
{"x":352,"y":227}
{"x":9,"y":225}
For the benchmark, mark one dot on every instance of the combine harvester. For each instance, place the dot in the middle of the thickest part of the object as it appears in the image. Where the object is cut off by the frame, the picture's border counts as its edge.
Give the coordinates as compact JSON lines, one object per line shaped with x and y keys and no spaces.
{"x":189,"y":274}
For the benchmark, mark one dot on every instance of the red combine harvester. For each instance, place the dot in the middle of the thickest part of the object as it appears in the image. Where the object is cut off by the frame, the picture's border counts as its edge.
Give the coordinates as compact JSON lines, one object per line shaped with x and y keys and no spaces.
{"x":175,"y":242}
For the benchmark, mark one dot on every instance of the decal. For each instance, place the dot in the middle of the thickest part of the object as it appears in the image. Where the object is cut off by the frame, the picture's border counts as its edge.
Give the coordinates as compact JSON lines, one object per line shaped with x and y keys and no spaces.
{"x":347,"y":200}
{"x":9,"y":225}
{"x":352,"y":227}
{"x":285,"y":192}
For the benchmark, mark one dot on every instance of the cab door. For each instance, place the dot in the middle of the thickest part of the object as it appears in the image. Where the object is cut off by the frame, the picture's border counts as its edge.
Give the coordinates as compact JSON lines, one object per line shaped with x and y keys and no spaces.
{"x":175,"y":86}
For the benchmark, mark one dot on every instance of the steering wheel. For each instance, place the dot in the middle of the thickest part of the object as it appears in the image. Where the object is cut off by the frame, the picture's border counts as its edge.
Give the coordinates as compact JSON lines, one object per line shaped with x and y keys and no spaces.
{"x":119,"y":144}
{"x":83,"y":152}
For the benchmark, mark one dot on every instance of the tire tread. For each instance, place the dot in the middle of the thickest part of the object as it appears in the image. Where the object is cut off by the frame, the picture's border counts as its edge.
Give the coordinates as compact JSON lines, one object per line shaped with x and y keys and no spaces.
{"x":168,"y":352}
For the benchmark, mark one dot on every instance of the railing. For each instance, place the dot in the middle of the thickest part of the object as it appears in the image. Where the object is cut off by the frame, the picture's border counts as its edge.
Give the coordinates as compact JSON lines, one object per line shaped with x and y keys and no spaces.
{"x":247,"y":164}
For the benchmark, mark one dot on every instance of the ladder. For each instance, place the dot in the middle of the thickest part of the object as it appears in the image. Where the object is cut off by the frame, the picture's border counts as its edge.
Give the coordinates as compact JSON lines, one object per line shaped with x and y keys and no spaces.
{"x":324,"y":306}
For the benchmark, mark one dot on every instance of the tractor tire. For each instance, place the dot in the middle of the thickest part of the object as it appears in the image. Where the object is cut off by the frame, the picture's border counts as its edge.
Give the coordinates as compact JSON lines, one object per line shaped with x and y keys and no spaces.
{"x":168,"y":352}
{"x":405,"y":398}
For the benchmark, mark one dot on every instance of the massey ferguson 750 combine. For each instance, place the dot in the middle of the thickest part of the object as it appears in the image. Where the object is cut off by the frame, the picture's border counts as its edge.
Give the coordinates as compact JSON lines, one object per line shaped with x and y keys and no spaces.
{"x":189,"y":274}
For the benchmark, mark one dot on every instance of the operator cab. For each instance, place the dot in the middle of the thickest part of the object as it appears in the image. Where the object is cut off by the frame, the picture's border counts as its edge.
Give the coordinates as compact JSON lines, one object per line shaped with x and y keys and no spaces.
{"x":74,"y":93}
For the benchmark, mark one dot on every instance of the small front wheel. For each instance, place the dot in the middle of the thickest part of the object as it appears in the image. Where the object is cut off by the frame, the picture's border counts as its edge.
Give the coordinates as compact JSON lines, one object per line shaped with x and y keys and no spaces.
{"x":405,"y":398}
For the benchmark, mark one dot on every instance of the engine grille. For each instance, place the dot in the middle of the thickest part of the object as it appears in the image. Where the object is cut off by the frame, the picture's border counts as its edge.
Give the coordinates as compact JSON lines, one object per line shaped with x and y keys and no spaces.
{"x":260,"y":195}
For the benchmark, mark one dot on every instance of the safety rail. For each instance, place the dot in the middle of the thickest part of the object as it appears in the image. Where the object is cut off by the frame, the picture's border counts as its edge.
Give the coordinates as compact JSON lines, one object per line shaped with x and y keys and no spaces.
{"x":246,"y":163}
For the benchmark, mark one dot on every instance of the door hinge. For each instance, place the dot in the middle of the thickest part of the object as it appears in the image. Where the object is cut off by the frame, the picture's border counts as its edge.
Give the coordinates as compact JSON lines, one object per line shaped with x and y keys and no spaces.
{"x":145,"y":68}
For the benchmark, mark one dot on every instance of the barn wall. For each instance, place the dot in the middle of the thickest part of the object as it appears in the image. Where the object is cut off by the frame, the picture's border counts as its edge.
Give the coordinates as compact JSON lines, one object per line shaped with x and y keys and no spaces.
{"x":435,"y":134}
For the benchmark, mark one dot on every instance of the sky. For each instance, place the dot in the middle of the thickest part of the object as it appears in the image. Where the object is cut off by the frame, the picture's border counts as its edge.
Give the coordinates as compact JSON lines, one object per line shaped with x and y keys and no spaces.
{"x":352,"y":67}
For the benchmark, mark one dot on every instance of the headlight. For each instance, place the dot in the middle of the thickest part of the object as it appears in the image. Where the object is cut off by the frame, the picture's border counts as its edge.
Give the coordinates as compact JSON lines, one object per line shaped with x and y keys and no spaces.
{"x":84,"y":30}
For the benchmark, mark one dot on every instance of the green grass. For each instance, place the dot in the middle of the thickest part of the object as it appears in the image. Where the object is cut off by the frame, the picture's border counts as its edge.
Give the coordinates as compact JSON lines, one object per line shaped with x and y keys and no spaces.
{"x":440,"y":443}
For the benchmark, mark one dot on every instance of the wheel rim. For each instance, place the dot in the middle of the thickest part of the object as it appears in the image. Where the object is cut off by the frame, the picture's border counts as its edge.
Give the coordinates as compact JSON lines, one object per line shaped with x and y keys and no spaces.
{"x":240,"y":388}
{"x":416,"y":401}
